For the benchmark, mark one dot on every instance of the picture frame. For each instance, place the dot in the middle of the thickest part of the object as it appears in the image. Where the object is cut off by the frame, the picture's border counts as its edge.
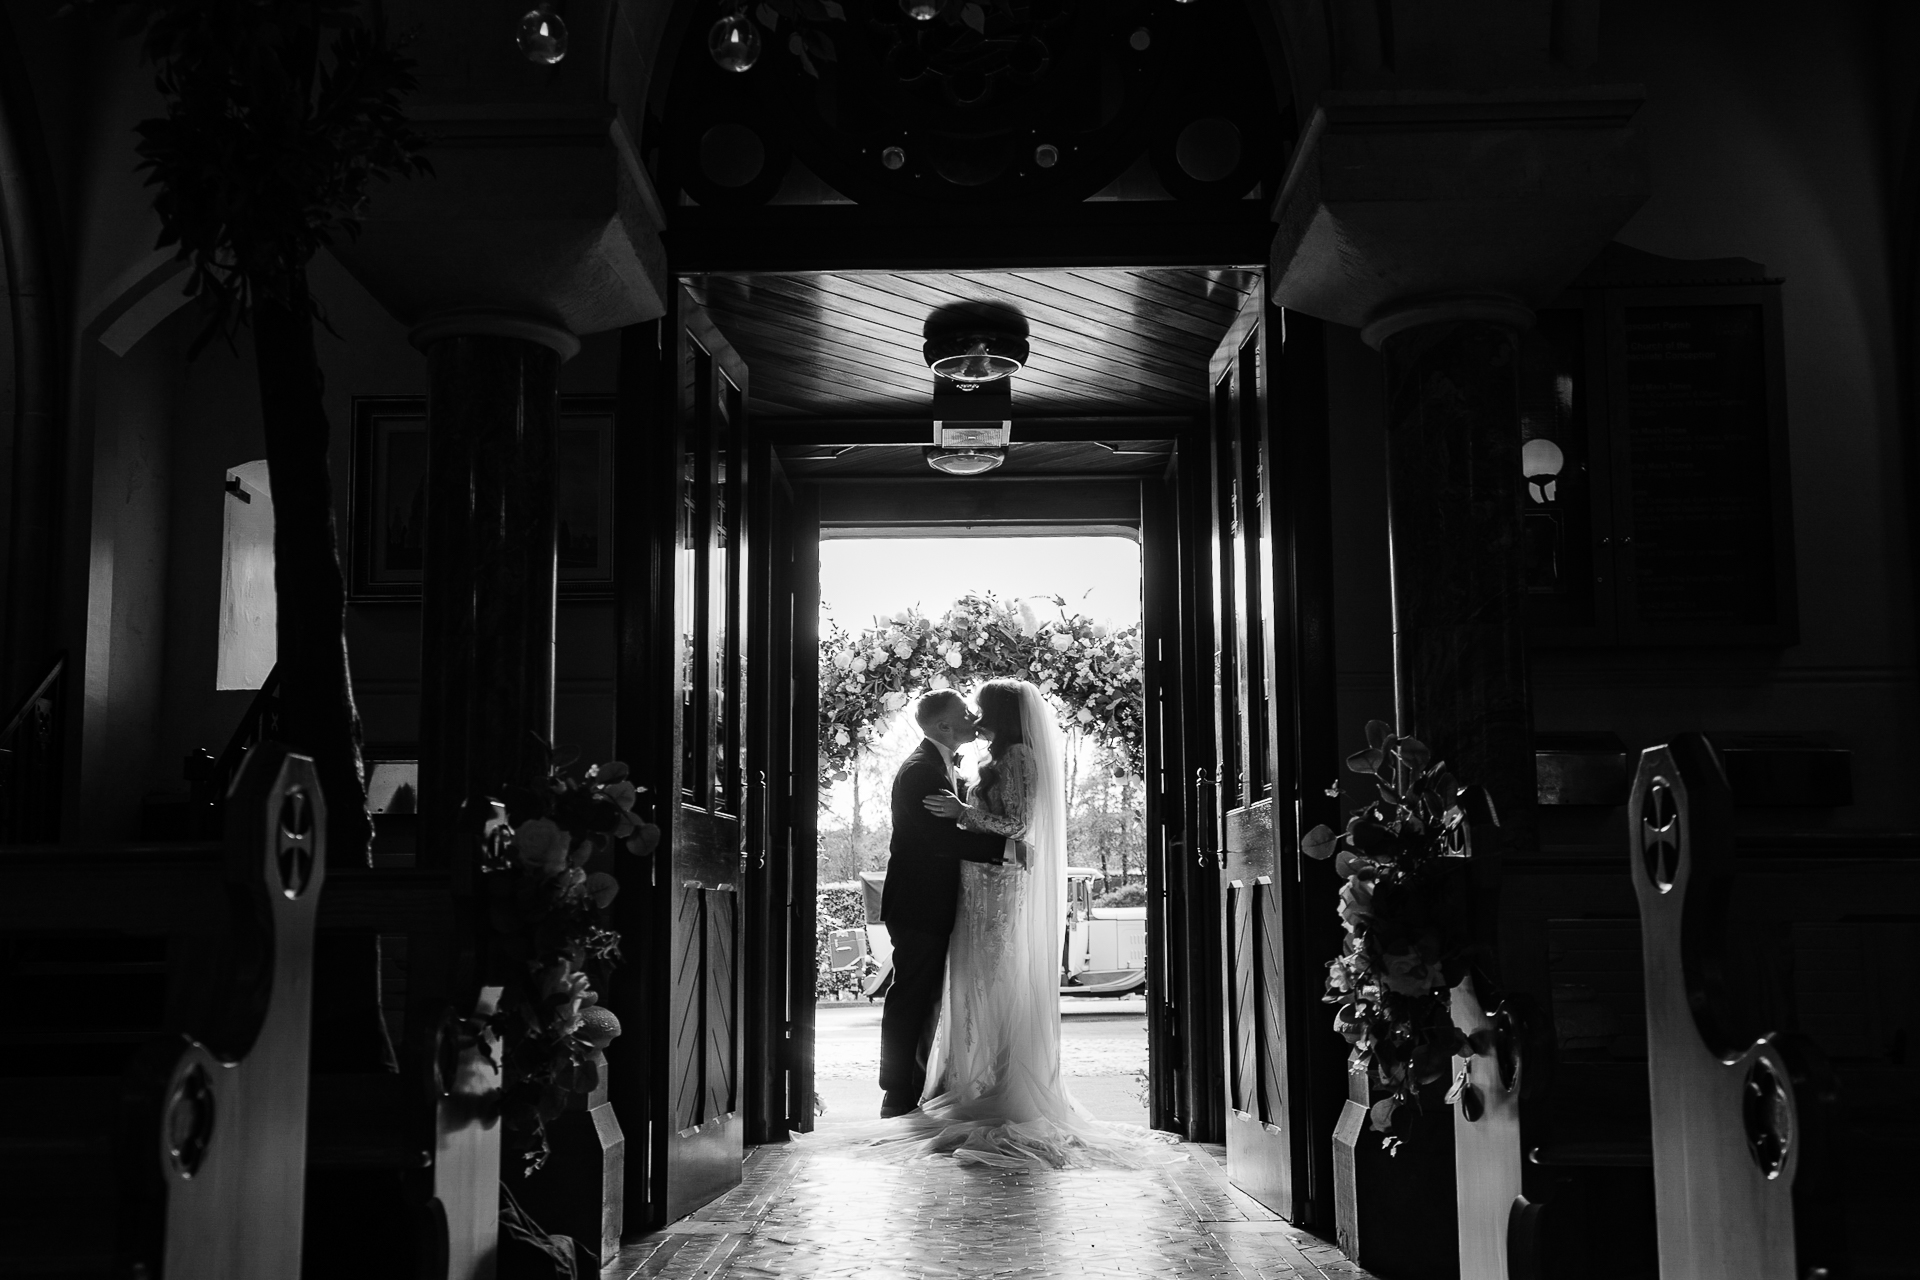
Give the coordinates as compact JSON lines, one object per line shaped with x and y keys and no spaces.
{"x":386,"y":512}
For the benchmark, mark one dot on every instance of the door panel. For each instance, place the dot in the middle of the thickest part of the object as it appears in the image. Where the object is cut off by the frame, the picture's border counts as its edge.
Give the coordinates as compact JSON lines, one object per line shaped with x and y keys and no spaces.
{"x":774,"y":913}
{"x":1243,"y":1032}
{"x":1262,"y":973}
{"x":721,"y":1068}
{"x":803,"y":812}
{"x":682,"y":716}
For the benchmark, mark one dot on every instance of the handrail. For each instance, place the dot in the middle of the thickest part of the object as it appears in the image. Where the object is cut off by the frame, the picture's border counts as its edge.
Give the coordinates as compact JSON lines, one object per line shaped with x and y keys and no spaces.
{"x":31,"y":769}
{"x":210,"y":785}
{"x":26,"y":704}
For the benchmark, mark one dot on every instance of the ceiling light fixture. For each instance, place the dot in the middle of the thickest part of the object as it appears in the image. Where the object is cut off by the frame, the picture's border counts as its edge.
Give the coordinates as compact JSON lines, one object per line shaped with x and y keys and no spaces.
{"x":972,"y":426}
{"x":964,"y":462}
{"x":977,"y":356}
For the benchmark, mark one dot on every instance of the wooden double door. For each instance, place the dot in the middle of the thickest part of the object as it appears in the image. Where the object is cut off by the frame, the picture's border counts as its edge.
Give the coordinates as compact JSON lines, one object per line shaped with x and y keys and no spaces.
{"x":1241,"y":707}
{"x":705,"y":715}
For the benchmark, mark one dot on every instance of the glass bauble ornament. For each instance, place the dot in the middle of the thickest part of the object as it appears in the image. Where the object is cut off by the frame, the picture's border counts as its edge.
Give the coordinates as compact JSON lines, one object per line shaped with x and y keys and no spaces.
{"x":734,"y":43}
{"x":542,"y":36}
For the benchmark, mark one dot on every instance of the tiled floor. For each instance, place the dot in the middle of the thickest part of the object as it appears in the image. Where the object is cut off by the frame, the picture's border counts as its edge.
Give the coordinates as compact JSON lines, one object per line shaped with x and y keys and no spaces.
{"x":810,"y":1213}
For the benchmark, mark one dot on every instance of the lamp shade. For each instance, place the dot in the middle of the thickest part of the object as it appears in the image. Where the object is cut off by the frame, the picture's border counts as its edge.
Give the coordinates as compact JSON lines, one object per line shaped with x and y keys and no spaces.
{"x":976,"y":356}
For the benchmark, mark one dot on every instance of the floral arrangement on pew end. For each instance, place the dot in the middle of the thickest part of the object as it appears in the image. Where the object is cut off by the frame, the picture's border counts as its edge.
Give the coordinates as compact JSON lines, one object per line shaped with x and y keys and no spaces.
{"x":545,"y":852}
{"x":1406,"y":910}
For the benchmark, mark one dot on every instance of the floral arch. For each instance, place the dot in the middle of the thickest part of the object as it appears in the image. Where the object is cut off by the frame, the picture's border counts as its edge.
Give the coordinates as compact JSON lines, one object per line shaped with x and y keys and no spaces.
{"x":1091,"y":674}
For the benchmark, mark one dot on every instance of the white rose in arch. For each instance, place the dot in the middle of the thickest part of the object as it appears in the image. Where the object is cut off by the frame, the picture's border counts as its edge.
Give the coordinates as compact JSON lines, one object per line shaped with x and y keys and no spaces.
{"x":953,"y":657}
{"x":843,"y":659}
{"x":1085,"y":716}
{"x":859,"y":665}
{"x":895,"y":700}
{"x":840,"y":735}
{"x":939,"y":682}
{"x":903,"y":650}
{"x":1061,"y":642}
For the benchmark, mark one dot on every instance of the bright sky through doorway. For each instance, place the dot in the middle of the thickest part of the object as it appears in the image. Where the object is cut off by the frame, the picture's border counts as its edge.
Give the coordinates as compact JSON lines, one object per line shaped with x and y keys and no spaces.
{"x":861,"y":577}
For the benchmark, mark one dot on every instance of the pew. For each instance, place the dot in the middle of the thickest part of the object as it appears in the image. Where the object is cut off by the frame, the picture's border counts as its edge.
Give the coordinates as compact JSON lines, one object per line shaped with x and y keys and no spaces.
{"x":157,"y":1044}
{"x":1744,"y":1129}
{"x":412,"y":1159}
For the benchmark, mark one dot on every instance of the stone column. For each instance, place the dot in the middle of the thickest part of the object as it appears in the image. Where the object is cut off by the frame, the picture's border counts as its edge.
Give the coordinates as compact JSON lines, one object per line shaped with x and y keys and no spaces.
{"x":487,"y":609}
{"x":1433,"y":220}
{"x":1461,"y":680}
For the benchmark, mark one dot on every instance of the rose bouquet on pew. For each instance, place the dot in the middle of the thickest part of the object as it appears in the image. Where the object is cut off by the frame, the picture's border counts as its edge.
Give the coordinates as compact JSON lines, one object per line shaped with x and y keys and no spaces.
{"x":1405,"y":907}
{"x":550,"y":937}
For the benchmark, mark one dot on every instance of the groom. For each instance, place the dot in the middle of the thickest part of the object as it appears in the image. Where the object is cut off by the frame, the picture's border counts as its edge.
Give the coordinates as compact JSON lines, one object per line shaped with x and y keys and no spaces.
{"x":922,"y":891}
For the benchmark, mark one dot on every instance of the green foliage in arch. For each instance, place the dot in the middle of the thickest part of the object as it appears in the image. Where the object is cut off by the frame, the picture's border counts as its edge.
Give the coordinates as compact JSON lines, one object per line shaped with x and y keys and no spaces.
{"x":1091,"y":674}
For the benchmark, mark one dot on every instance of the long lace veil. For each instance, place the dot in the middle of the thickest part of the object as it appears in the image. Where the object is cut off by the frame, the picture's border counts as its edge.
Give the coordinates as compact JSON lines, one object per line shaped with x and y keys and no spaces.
{"x":1045,"y":923}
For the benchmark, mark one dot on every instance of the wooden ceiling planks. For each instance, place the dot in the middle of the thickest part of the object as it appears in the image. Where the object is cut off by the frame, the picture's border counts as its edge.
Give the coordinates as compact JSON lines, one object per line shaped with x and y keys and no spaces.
{"x":1103,"y":340}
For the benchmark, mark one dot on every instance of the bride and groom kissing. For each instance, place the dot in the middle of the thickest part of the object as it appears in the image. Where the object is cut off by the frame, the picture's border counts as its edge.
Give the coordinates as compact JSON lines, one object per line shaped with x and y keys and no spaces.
{"x":975,"y":903}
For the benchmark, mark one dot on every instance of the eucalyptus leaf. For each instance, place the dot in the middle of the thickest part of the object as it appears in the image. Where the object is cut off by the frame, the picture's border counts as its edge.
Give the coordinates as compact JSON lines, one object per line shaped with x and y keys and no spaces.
{"x":1319,"y":842}
{"x":976,"y":17}
{"x":1379,"y":734}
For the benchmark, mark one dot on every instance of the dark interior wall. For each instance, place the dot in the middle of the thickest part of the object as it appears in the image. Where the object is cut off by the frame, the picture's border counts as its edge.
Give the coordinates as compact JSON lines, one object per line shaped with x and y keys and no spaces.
{"x":1763,"y":143}
{"x":134,"y":407}
{"x":367,"y":355}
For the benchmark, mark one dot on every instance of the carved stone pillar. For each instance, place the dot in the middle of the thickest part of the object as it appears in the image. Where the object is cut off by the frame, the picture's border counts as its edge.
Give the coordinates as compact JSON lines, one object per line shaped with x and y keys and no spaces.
{"x":487,"y":599}
{"x":1434,"y":221}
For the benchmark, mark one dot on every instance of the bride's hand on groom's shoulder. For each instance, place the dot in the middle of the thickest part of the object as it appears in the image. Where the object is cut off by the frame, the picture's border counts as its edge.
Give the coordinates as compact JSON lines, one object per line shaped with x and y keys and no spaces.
{"x":942,"y":804}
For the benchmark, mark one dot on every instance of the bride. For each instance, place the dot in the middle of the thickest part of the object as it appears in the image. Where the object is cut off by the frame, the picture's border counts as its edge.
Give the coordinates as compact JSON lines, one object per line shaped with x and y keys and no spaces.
{"x":994,"y":1092}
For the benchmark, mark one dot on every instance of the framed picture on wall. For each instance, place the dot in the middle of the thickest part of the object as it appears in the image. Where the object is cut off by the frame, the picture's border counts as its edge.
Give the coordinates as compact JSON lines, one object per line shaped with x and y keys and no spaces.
{"x":386,"y":525}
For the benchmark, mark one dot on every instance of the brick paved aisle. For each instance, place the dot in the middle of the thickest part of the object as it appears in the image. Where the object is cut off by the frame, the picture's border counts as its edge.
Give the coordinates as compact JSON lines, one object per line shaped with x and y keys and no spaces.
{"x":802,"y":1213}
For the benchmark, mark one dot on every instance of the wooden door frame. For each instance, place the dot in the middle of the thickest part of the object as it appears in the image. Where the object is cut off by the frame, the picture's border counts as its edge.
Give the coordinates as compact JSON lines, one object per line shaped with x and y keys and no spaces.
{"x":1300,"y":486}
{"x":1193,"y":886}
{"x":1186,"y":997}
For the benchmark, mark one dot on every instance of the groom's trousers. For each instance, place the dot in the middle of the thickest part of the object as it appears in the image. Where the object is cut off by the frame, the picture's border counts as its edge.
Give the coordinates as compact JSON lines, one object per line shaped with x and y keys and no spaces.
{"x":907,"y":1023}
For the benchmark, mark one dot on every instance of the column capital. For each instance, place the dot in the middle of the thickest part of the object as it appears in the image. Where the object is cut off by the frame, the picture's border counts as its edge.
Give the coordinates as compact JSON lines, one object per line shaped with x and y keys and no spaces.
{"x":1414,"y":313}
{"x":1403,"y":207}
{"x":537,"y":209}
{"x":498,"y":324}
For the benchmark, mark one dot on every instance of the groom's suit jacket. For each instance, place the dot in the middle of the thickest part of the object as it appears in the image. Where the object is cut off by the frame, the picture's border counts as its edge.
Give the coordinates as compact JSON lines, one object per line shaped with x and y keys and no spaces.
{"x":923,"y":866}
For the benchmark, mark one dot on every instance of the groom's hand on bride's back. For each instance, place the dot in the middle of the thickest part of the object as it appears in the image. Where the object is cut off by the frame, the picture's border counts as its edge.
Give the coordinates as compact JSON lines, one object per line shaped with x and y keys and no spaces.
{"x":1022,"y":855}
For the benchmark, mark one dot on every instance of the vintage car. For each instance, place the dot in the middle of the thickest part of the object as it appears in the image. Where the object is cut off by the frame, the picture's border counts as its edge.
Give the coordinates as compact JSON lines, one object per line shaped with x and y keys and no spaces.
{"x":1103,"y":950}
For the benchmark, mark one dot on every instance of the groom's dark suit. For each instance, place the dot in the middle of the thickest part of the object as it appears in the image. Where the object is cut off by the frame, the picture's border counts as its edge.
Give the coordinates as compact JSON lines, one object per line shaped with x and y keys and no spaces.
{"x":917,"y":906}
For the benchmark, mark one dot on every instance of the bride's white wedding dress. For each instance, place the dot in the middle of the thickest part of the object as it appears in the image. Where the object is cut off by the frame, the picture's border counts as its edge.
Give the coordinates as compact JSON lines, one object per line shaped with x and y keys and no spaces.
{"x":994,"y":1090}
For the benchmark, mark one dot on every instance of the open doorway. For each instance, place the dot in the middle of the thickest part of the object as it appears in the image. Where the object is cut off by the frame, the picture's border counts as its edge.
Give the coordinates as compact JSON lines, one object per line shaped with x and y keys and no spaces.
{"x":905,"y":614}
{"x":773,"y":415}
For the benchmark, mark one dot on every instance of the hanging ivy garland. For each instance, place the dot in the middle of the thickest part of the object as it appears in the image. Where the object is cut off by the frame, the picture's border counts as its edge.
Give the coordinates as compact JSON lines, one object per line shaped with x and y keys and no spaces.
{"x":1091,"y":674}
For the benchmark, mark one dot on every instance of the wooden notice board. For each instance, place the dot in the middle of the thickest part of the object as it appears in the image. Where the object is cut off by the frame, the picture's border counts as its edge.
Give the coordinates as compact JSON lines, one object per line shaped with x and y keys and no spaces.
{"x":1655,"y":440}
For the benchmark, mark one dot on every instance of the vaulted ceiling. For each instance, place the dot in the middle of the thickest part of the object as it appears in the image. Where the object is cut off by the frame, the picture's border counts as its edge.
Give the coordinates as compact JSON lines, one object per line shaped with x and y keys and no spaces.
{"x":1104,"y":342}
